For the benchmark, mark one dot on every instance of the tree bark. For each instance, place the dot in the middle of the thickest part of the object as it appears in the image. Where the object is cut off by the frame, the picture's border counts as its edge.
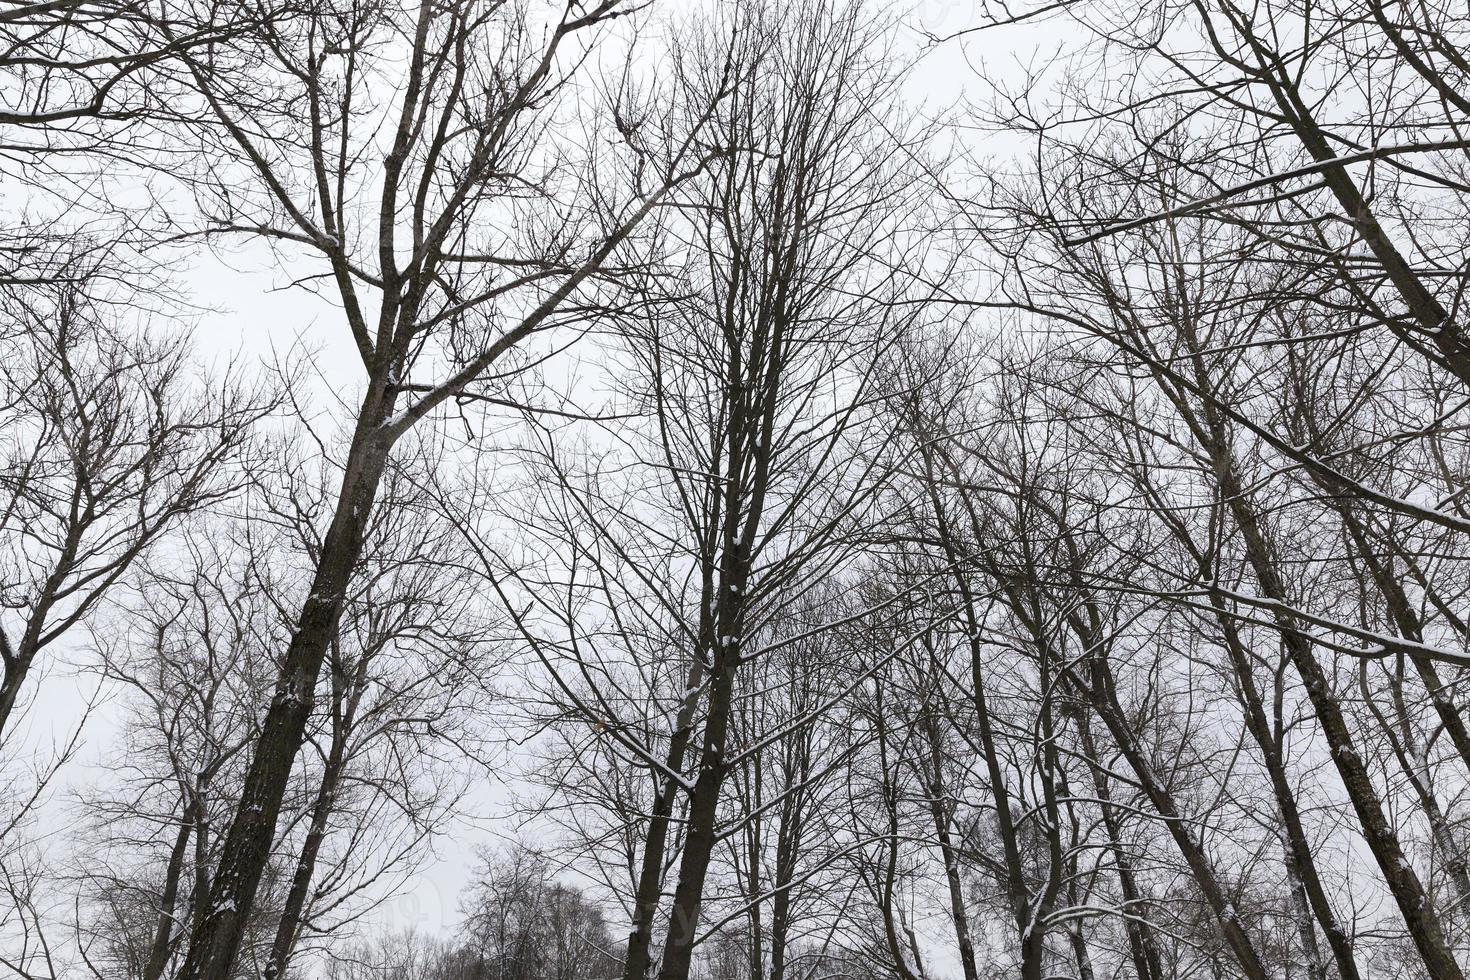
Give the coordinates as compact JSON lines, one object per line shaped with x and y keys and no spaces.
{"x":1141,"y":946}
{"x":288,"y":929}
{"x":938,"y":796}
{"x":651,"y":869}
{"x":699,"y":840}
{"x":1432,"y":321}
{"x":1300,"y":863}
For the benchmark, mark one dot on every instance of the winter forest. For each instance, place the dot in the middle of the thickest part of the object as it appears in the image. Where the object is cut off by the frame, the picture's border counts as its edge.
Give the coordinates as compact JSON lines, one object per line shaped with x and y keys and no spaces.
{"x":734,"y":489}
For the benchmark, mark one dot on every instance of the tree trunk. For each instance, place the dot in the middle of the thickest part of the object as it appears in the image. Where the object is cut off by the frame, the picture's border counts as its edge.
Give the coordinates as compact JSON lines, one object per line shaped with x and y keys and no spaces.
{"x":1402,"y":882}
{"x":1300,"y":863}
{"x":699,"y":840}
{"x":1102,"y":693}
{"x":1406,"y":621}
{"x":247,"y":845}
{"x":1017,"y":892}
{"x":789,"y":838}
{"x":938,"y":795}
{"x":289,"y":927}
{"x":1434,"y":324}
{"x":1141,"y":947}
{"x":158,"y":952}
{"x":651,"y":870}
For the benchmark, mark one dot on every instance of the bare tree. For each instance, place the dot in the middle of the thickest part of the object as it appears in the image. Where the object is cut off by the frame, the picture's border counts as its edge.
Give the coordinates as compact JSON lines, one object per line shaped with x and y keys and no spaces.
{"x":110,"y":438}
{"x":742,"y":451}
{"x":408,"y":672}
{"x":435,"y":281}
{"x":1043,"y":556}
{"x":522,"y":924}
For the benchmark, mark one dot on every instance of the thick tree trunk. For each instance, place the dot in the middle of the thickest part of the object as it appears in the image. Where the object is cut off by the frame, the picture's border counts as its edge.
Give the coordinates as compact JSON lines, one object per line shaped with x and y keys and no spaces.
{"x":289,"y":927}
{"x":14,"y":673}
{"x":15,"y":662}
{"x":1080,"y":952}
{"x":247,"y":845}
{"x":699,"y":839}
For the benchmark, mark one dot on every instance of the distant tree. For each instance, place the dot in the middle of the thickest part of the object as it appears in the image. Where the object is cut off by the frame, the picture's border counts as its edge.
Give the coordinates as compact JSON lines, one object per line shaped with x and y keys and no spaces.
{"x":523,"y":924}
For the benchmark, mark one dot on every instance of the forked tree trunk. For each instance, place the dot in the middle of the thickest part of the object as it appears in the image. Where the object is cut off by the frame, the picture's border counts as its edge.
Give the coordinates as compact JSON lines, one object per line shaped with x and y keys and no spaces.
{"x":655,"y":845}
{"x":165,"y":934}
{"x":288,"y":929}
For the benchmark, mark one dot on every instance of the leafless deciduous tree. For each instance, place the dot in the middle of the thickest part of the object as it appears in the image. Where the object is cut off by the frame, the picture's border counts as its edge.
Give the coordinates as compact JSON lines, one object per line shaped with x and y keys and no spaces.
{"x":747,"y":449}
{"x":111,"y":436}
{"x":476,"y":236}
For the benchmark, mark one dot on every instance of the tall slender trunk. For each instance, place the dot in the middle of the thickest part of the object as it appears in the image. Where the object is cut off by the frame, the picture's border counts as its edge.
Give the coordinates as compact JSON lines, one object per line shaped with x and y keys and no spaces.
{"x":1406,"y":621}
{"x":1413,"y":760}
{"x":1025,"y":914}
{"x":1301,"y":864}
{"x":1102,"y":693}
{"x":163,"y":935}
{"x":1316,"y":965}
{"x":1429,"y":316}
{"x":754,"y":833}
{"x":789,"y":838}
{"x":729,"y":621}
{"x":1141,"y":946}
{"x":1298,"y":853}
{"x":1423,"y":925}
{"x":938,"y":793}
{"x":887,"y":885}
{"x":247,"y":845}
{"x":651,"y":868}
{"x":751,"y":382}
{"x":1097,"y":688}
